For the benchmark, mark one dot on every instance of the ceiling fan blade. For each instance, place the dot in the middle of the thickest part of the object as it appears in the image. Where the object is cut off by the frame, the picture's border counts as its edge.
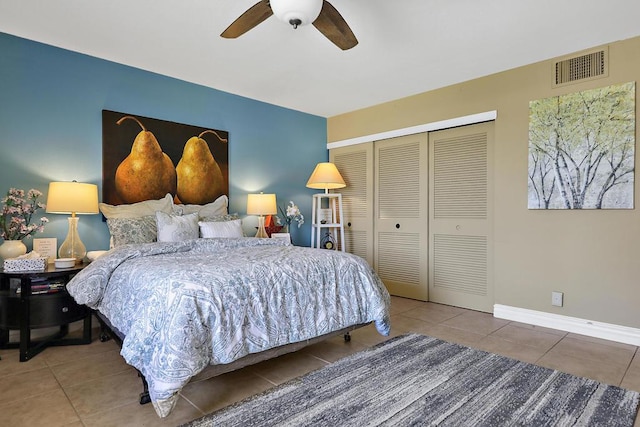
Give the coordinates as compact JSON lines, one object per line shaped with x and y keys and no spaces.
{"x":252,"y":17}
{"x":334,"y":27}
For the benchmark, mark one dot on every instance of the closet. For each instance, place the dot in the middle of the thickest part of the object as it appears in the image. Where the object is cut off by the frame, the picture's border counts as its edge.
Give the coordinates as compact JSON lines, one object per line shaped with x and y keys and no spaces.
{"x":355,"y":164}
{"x":418,"y":209}
{"x":460,"y":202}
{"x":400,"y":215}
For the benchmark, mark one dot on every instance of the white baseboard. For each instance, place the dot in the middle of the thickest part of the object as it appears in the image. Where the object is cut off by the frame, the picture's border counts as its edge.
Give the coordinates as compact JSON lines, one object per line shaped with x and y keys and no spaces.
{"x":607,"y":331}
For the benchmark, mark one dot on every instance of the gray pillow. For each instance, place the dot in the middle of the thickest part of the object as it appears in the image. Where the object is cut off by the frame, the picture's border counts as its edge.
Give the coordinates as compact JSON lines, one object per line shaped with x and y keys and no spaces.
{"x":132,"y":230}
{"x":220,"y":218}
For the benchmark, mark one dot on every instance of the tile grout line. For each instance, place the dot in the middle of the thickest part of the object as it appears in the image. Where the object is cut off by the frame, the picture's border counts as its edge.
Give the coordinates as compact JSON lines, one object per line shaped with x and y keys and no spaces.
{"x":202,"y":412}
{"x":626,"y":371}
{"x":551,"y":348}
{"x":75,"y":410}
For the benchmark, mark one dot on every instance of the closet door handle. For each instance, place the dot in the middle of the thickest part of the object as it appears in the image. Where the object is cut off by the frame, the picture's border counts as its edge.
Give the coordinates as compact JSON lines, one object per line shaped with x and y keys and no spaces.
{"x":398,"y":226}
{"x":348,"y":224}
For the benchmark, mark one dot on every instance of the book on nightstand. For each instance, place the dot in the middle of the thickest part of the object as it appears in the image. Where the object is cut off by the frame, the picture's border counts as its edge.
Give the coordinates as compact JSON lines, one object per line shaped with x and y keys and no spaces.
{"x":40,"y":286}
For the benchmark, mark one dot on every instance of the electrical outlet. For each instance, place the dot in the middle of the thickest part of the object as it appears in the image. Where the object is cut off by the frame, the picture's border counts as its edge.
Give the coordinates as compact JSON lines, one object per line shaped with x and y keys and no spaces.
{"x":556,"y":298}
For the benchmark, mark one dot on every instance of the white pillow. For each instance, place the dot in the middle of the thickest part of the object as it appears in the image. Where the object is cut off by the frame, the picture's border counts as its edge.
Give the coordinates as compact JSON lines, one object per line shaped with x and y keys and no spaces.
{"x":137,"y":210}
{"x":94,"y":255}
{"x":221,"y":229}
{"x":217,"y":207}
{"x":177,"y":228}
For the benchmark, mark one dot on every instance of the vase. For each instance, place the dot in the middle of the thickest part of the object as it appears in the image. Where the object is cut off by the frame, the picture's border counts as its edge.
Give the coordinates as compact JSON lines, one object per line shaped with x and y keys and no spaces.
{"x":12,"y":249}
{"x":290,"y":231}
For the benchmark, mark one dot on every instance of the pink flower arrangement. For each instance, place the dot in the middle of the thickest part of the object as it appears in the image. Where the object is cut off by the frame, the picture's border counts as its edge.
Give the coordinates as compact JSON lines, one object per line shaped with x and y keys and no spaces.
{"x":15,"y":221}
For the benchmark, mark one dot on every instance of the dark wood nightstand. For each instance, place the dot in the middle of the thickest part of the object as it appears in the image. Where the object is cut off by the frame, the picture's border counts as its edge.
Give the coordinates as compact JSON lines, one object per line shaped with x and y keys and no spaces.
{"x":24,"y":310}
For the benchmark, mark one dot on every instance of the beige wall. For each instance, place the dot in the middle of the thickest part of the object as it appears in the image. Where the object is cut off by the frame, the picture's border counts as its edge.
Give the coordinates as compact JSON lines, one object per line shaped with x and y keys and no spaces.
{"x":592,"y":256}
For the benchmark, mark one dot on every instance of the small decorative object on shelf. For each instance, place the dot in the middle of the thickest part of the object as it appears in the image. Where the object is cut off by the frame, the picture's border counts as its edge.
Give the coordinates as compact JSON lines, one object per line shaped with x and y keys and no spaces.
{"x":328,"y":242}
{"x":325,"y":216}
{"x":15,"y":221}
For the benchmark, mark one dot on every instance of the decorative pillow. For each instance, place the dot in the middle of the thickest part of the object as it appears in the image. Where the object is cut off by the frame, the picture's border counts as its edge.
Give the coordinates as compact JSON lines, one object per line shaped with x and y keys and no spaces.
{"x":137,"y":210}
{"x":221,"y":228}
{"x":173,"y":228}
{"x":177,"y":210}
{"x":132,"y":230}
{"x":220,"y":218}
{"x":217,"y":207}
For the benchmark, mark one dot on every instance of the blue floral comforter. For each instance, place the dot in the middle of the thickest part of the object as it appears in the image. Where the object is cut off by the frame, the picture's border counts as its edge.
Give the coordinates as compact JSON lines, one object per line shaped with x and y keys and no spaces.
{"x":185,"y":305}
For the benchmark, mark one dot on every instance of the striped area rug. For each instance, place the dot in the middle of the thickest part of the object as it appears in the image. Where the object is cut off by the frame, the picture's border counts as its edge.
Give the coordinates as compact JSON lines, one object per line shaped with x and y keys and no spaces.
{"x":419,"y":380}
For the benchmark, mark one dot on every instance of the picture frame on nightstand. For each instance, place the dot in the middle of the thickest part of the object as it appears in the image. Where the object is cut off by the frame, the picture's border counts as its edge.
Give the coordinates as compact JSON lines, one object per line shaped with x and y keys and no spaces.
{"x":46,"y":247}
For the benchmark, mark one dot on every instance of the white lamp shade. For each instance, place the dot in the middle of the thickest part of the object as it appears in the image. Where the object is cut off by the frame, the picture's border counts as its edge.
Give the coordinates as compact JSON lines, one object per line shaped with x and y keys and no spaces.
{"x":261,"y":204}
{"x":290,"y":10}
{"x":326,"y":177}
{"x":72,"y":198}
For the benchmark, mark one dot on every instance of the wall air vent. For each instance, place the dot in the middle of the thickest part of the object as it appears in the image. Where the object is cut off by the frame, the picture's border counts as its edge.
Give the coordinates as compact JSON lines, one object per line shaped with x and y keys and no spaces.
{"x":587,"y":66}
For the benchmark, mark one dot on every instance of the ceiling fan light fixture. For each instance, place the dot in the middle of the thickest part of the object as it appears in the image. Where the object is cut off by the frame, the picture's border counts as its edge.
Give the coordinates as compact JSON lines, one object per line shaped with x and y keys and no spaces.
{"x":296,"y":12}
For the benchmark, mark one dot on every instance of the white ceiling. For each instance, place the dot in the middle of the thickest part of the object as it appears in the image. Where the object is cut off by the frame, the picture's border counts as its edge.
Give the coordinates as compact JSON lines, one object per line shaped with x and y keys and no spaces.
{"x":406,"y":46}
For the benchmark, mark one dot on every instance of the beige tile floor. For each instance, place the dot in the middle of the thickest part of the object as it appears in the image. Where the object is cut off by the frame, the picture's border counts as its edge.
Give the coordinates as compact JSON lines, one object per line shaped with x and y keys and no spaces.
{"x":91,"y":385}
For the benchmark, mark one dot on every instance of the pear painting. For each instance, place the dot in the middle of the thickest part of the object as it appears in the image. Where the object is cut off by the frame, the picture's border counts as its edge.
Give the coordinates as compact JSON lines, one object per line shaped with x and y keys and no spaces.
{"x":147,"y":172}
{"x":200,"y":178}
{"x":144,"y":158}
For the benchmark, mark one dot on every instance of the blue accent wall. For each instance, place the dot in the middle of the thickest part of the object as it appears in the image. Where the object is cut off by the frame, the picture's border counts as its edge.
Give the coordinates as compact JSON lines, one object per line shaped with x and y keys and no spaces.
{"x":51,"y":102}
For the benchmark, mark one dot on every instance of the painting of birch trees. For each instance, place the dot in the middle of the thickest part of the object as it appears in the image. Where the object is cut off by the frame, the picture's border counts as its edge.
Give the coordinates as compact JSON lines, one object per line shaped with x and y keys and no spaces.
{"x":581,"y":149}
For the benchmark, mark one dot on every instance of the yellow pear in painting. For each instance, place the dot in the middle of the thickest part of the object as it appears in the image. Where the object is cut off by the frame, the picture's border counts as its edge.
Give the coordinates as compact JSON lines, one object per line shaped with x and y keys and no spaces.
{"x":147,"y":172}
{"x":200,"y":179}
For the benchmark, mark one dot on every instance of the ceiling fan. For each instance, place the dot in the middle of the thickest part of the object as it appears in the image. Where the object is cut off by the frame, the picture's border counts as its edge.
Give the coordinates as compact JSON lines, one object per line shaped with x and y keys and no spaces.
{"x":320,"y":13}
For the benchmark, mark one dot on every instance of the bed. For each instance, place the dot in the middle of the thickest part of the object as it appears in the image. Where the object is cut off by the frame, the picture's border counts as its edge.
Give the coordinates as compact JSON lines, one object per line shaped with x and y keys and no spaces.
{"x":183,"y":306}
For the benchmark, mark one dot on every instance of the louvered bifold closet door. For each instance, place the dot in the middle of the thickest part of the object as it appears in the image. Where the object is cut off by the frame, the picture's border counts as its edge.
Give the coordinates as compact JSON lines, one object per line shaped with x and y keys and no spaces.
{"x":355,"y":164}
{"x":401,"y":244}
{"x":460,"y":240}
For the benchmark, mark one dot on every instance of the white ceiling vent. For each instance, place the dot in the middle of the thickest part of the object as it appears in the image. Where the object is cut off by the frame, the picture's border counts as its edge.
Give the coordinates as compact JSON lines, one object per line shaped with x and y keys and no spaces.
{"x":587,"y":66}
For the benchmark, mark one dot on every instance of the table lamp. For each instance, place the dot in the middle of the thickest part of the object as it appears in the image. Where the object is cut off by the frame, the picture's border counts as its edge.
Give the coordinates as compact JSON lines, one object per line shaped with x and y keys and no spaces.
{"x":326,"y":176}
{"x":261,"y":204}
{"x":73,"y":198}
